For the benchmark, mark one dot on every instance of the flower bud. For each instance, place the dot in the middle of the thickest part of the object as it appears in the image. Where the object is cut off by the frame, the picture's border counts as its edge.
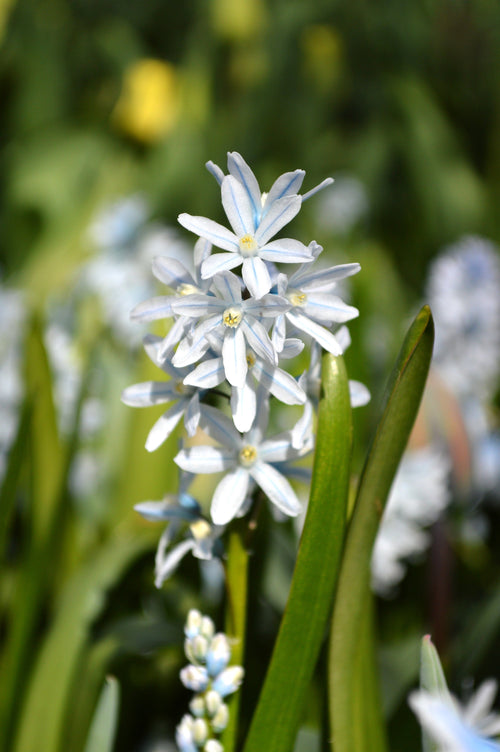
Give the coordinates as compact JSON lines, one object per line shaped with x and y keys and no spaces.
{"x":195,"y":678}
{"x":213,"y":746}
{"x":228,"y":681}
{"x":200,"y":731}
{"x":220,"y":719}
{"x":207,"y":627}
{"x":213,"y":701}
{"x":197,"y":706}
{"x":184,"y":735}
{"x":196,"y":648}
{"x":193,"y":623}
{"x":218,"y":654}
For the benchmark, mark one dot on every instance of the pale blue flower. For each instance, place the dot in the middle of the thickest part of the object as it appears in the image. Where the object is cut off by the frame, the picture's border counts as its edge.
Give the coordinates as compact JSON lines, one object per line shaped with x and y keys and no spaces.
{"x":287,"y":184}
{"x":313,"y":306}
{"x":186,"y":400}
{"x":173,"y":273}
{"x":210,"y":373}
{"x":457,"y":728}
{"x":254,"y":223}
{"x":246,"y":458}
{"x":186,"y":521}
{"x":236,"y":321}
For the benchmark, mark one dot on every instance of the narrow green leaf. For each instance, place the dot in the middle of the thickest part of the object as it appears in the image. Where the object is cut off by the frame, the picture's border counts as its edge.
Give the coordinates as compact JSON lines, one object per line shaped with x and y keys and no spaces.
{"x":350,"y":642}
{"x":278,"y":713}
{"x":9,"y":486}
{"x":103,"y":728}
{"x":433,"y":680}
{"x":42,"y":722}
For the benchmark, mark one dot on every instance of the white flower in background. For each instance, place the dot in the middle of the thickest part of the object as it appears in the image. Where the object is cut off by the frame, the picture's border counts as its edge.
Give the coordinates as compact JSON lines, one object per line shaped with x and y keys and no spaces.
{"x":419,"y":494}
{"x":119,"y":274}
{"x":12,"y":323}
{"x":464,"y":294}
{"x":340,"y":209}
{"x":455,"y":727}
{"x":255,"y":219}
{"x":245,"y":458}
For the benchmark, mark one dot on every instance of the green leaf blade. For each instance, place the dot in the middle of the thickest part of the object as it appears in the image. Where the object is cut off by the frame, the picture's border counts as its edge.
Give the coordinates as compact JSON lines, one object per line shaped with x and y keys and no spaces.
{"x":278,"y":716}
{"x":351,"y":644}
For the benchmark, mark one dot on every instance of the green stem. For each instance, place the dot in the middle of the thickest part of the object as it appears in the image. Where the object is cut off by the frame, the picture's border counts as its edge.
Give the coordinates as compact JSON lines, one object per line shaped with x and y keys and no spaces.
{"x":237,"y":585}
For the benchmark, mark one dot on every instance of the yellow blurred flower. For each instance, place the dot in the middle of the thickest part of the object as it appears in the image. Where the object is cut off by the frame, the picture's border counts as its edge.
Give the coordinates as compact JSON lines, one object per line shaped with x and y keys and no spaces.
{"x":238,"y":20}
{"x":149,"y":104}
{"x":322,"y":54}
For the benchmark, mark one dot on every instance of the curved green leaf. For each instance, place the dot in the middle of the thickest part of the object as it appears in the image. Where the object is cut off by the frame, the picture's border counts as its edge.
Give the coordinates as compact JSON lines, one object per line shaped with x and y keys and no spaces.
{"x":103,"y":728}
{"x":278,"y":715}
{"x":355,"y":715}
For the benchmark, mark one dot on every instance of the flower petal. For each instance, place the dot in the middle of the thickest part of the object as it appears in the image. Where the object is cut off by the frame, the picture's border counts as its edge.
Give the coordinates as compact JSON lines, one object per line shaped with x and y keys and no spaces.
{"x":358,"y":393}
{"x":153,"y":309}
{"x":243,"y":406}
{"x":258,"y":339}
{"x":207,"y":375}
{"x":193,"y":347}
{"x":256,"y":276}
{"x":228,"y":285}
{"x":280,"y":213}
{"x":219,"y":262}
{"x":192,"y":415}
{"x":166,"y":565}
{"x":325,"y":338}
{"x":322,"y":279}
{"x":206,"y":228}
{"x":280,"y":383}
{"x":240,"y":170}
{"x":328,"y":308}
{"x":149,"y":393}
{"x":229,"y":496}
{"x":286,"y":251}
{"x":238,"y":206}
{"x":171,"y":272}
{"x":165,"y":425}
{"x":287,"y":184}
{"x":277,"y":449}
{"x":276,"y":487}
{"x":205,"y":459}
{"x":219,"y":427}
{"x":234,"y":356}
{"x":197,"y":305}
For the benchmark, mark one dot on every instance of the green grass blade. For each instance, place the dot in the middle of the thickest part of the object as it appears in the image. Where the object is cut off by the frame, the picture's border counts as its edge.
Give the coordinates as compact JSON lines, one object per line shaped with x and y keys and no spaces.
{"x":103,"y":728}
{"x":48,"y":697}
{"x":353,"y":726}
{"x":278,"y":713}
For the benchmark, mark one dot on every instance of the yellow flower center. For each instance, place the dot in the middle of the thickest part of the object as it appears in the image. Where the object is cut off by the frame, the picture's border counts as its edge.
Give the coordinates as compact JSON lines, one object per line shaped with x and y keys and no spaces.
{"x":232,"y":317}
{"x":200,"y":529}
{"x":181,"y":388}
{"x":248,"y":455}
{"x":297,"y":298}
{"x":251,"y":359}
{"x":186,"y":289}
{"x":248,"y":245}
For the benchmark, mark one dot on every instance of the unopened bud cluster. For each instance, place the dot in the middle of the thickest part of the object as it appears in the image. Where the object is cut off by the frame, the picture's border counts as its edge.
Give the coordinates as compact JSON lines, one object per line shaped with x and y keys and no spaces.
{"x":210,"y":677}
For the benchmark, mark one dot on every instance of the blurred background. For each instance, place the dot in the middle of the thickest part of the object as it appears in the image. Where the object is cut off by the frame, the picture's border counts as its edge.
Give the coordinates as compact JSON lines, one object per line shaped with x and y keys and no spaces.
{"x":109,"y":111}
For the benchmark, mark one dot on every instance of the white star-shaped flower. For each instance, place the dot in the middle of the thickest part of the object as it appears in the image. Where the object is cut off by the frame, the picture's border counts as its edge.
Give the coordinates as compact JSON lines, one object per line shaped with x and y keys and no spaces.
{"x":247,"y":457}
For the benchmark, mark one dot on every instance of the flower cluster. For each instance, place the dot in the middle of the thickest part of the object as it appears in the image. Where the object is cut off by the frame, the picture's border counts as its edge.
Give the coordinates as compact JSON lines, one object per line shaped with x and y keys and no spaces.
{"x":212,"y":680}
{"x":231,"y":338}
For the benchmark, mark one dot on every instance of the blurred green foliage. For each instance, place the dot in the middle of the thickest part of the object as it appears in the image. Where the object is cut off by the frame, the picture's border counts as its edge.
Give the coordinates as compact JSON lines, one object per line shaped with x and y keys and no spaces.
{"x":102,"y":100}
